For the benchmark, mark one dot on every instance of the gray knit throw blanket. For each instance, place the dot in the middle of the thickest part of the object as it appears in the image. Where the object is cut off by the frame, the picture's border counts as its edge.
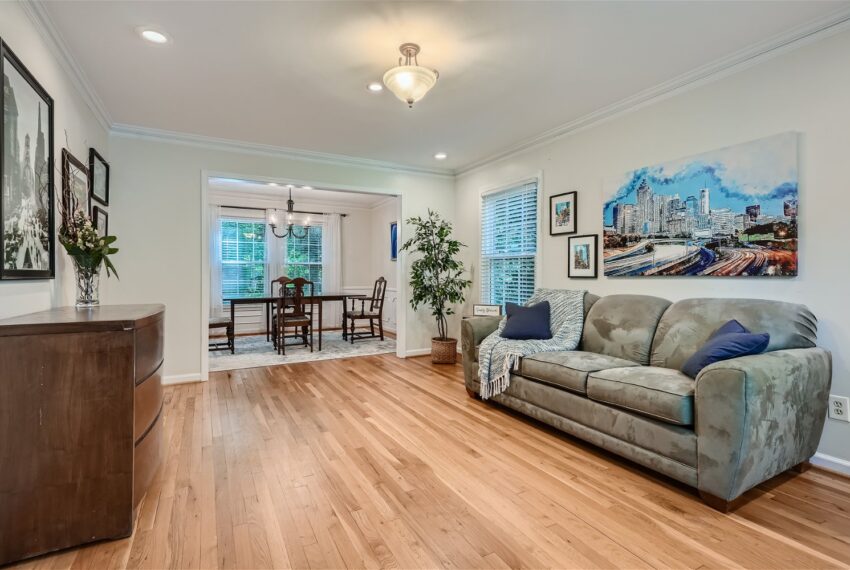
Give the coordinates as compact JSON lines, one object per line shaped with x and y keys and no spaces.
{"x":497,"y":356}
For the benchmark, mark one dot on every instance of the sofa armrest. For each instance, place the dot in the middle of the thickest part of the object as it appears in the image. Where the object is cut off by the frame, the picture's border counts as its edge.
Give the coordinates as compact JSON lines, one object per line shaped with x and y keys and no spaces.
{"x":472,"y":331}
{"x":757,"y":416}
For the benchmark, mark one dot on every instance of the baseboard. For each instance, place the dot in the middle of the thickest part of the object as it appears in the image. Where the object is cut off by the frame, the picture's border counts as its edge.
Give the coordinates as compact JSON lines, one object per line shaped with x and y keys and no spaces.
{"x":417,"y":352}
{"x":172,"y":379}
{"x":831,"y":463}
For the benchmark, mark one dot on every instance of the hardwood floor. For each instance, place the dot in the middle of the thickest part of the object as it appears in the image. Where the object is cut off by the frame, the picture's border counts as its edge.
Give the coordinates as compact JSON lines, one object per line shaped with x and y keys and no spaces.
{"x":380,"y":462}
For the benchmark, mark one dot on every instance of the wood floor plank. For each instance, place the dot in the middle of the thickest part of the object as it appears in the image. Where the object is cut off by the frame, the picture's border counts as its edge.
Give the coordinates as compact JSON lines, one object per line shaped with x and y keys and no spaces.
{"x":379,"y":462}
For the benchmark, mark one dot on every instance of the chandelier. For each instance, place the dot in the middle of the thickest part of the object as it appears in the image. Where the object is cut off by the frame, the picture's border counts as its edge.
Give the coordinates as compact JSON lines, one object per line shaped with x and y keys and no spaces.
{"x":290,"y":227}
{"x":410,"y":81}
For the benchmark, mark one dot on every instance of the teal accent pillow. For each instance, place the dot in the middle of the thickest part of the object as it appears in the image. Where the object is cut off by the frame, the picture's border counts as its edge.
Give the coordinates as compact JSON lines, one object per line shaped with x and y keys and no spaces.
{"x":729,"y":341}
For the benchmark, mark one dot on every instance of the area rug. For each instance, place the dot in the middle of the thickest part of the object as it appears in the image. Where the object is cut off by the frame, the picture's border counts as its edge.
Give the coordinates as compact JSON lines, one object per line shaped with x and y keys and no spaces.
{"x":253,"y":351}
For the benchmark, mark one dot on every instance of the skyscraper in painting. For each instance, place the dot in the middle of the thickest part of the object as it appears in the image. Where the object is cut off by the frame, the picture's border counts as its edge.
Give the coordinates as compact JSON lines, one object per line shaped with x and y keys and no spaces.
{"x":728,"y":212}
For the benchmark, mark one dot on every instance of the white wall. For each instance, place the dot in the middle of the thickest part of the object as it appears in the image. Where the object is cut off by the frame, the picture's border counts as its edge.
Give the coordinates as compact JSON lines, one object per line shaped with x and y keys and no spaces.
{"x":71,"y":115}
{"x":156,"y":213}
{"x":805,"y":90}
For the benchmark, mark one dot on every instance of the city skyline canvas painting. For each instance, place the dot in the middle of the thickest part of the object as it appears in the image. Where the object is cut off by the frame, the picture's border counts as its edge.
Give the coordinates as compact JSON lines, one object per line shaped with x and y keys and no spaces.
{"x":26,"y":202}
{"x":727,"y":212}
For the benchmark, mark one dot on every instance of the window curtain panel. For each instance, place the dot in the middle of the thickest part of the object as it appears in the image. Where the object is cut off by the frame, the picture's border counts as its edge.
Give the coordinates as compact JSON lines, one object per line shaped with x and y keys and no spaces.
{"x":275,"y":247}
{"x":331,"y":266}
{"x":216,"y":304}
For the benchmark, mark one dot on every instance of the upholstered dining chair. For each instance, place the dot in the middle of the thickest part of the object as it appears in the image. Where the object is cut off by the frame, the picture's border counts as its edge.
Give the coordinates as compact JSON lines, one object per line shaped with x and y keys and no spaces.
{"x":293,"y":310}
{"x":373,"y":312}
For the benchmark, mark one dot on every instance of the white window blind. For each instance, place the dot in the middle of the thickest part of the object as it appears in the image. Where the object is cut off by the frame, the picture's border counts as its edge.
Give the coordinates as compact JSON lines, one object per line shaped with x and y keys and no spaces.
{"x":508,"y":244}
{"x":243,"y":257}
{"x":303,"y":256}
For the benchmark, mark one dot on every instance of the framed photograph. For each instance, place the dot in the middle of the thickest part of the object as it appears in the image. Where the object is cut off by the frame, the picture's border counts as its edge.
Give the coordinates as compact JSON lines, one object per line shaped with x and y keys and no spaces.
{"x":562,"y":213}
{"x":75,"y":184}
{"x":393,"y":241}
{"x":27,"y":236}
{"x":100,"y":221}
{"x":730,"y":212}
{"x":98,"y":178}
{"x":581,"y":257}
{"x":486,"y":310}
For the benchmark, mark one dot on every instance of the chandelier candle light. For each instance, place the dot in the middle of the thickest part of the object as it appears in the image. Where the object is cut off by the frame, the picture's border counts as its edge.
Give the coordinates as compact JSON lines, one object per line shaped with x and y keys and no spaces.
{"x":410,"y":81}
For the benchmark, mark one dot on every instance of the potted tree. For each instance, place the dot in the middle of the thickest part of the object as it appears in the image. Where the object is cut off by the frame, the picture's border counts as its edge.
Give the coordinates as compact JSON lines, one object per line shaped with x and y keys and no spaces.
{"x":436,"y":278}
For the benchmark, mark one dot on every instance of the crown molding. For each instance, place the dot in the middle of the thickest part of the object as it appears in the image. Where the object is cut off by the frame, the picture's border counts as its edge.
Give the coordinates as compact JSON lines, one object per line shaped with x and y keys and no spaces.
{"x":792,"y":39}
{"x":40,"y":17}
{"x":214,"y":143}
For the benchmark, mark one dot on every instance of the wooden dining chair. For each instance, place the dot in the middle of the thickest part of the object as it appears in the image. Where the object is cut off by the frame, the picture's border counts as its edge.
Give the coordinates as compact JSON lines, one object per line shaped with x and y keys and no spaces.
{"x":293,"y":310}
{"x":374,"y":312}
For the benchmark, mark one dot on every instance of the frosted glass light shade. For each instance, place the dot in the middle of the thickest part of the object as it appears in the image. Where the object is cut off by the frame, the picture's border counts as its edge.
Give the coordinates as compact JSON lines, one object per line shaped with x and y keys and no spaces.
{"x":410,"y":83}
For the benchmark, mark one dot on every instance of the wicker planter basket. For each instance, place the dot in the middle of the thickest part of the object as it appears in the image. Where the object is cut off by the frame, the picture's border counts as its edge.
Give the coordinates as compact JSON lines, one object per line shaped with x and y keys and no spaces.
{"x":443,"y":351}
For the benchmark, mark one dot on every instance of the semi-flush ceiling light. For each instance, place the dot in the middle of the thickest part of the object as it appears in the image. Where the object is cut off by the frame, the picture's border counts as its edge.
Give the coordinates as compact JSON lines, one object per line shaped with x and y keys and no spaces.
{"x":153,"y":36}
{"x":375,"y":87}
{"x":441,"y":156}
{"x":410,"y":81}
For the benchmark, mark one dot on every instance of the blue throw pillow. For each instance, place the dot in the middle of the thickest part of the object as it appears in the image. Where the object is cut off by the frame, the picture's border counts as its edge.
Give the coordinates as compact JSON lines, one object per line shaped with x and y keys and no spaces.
{"x":527,"y":323}
{"x":729,"y":341}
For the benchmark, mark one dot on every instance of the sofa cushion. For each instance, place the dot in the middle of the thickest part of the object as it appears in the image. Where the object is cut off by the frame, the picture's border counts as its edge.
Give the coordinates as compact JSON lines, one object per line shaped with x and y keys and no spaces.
{"x":569,"y":368}
{"x":661,"y":393}
{"x":623,"y":326}
{"x":688,"y":324}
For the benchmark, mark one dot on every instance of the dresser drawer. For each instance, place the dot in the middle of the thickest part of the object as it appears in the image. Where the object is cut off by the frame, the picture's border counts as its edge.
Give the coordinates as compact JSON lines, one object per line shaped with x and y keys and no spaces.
{"x":149,"y":340}
{"x":148,"y":456}
{"x":147,"y":403}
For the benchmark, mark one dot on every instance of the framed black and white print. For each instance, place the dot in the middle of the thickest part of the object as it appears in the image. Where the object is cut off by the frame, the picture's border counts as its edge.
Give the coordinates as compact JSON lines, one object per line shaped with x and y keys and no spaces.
{"x":98,"y":178}
{"x":562,"y":213}
{"x":100,"y":221}
{"x":75,"y":184}
{"x":581,"y":256}
{"x":27,"y":210}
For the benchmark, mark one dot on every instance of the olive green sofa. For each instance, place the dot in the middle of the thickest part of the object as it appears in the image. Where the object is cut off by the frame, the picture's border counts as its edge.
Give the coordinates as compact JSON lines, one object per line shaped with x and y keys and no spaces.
{"x":740,"y":422}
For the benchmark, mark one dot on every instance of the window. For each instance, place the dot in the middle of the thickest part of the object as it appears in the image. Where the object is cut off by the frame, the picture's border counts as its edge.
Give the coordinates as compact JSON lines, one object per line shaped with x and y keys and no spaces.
{"x":303,"y":256}
{"x":508,"y":244}
{"x":243,"y":257}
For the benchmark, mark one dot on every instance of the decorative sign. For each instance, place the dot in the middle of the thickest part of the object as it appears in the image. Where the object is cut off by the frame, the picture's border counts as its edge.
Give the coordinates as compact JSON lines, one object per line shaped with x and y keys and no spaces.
{"x":486,"y":310}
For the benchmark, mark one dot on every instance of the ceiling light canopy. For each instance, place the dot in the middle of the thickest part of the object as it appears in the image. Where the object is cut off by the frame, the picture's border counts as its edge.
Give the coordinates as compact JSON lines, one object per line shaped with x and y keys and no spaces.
{"x":153,"y":36}
{"x":410,"y":81}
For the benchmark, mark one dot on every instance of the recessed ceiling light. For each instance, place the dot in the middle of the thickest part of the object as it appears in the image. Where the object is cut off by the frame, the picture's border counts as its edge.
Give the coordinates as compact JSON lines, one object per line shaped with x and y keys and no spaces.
{"x":375,"y":87}
{"x":272,"y":184}
{"x":306,"y":187}
{"x":153,"y":36}
{"x":441,"y":156}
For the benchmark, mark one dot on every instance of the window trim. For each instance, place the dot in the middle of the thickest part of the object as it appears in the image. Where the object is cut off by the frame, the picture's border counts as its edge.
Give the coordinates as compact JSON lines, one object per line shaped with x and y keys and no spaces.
{"x":537,"y":177}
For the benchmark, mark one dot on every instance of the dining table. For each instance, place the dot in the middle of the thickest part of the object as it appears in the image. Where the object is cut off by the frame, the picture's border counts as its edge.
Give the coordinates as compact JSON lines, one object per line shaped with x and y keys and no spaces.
{"x":317,"y":299}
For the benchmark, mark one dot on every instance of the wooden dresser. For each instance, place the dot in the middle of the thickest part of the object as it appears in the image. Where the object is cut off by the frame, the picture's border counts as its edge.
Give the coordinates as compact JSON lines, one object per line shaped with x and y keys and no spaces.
{"x":80,"y":424}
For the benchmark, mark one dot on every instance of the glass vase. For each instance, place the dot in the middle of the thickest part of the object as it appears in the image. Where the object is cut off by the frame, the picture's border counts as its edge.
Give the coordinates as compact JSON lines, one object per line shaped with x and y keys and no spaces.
{"x":88,"y":283}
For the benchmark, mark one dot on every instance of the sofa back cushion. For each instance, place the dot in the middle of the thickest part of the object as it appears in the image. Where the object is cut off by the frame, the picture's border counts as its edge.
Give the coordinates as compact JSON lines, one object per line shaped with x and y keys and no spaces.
{"x":623,"y":326}
{"x":688,"y":324}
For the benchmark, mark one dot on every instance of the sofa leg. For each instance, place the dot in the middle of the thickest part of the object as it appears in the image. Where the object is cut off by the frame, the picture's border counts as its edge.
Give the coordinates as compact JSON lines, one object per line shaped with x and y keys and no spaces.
{"x":802,"y":467}
{"x":473,"y":394}
{"x":719,"y":504}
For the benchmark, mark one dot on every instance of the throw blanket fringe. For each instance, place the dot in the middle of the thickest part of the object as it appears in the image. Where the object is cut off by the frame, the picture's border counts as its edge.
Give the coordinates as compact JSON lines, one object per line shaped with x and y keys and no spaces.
{"x":498,"y":356}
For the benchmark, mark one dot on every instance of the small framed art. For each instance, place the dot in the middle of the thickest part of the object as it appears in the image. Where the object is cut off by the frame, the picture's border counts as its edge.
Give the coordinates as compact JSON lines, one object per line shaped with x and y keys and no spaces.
{"x":75,"y":184}
{"x":486,"y":310}
{"x":98,"y":178}
{"x":581,"y":256}
{"x":393,"y":241}
{"x":562,"y":213}
{"x":100,"y":221}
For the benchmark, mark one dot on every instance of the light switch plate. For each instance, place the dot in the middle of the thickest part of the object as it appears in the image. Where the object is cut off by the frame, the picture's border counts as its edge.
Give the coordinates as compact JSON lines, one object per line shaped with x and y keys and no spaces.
{"x":839,"y":408}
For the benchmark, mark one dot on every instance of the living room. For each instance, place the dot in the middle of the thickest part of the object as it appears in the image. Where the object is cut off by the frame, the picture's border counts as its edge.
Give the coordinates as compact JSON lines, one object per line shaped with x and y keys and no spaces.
{"x":625,"y":174}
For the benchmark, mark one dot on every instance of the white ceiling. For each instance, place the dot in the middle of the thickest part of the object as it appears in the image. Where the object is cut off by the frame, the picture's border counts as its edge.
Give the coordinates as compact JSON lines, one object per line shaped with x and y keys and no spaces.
{"x":293,"y":74}
{"x":280,"y":191}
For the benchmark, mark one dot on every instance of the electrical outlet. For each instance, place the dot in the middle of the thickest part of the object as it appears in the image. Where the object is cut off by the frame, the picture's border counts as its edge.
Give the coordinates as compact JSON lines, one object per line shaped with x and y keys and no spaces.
{"x":839,"y":408}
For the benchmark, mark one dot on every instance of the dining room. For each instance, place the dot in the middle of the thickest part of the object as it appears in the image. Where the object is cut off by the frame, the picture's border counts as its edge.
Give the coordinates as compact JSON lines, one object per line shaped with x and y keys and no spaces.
{"x":299,"y":273}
